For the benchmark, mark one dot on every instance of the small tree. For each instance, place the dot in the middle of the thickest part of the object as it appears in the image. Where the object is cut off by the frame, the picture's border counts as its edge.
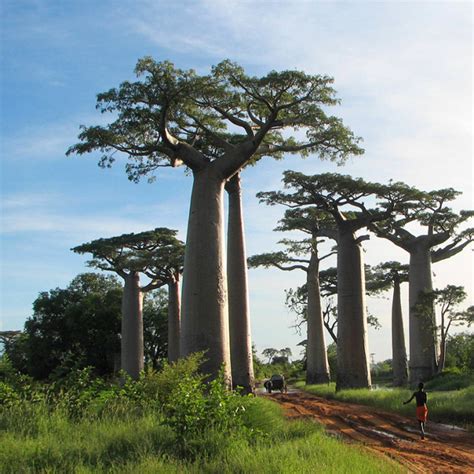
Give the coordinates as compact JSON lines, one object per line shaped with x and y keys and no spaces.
{"x":440,"y":241}
{"x":447,"y":299}
{"x":158,"y":254}
{"x":270,"y":353}
{"x":285,"y":352}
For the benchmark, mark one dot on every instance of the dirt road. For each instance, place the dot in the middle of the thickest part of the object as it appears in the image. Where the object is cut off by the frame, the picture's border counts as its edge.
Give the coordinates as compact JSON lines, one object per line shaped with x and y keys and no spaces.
{"x":444,"y":450}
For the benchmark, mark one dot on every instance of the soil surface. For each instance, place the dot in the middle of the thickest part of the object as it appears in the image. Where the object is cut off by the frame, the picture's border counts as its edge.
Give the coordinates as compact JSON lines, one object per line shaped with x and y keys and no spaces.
{"x":444,"y":449}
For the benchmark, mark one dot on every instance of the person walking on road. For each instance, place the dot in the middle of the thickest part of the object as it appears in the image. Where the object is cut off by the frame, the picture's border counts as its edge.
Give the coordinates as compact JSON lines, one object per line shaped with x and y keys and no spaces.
{"x":421,"y":408}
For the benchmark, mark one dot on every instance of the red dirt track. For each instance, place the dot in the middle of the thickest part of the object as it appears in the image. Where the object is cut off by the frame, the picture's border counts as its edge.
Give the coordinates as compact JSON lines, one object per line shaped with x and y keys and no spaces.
{"x":444,"y":450}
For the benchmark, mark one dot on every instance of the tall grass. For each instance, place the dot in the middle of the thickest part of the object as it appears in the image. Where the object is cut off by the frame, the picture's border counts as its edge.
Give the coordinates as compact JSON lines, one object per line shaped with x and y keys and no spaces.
{"x":455,"y":407}
{"x":166,"y":422}
{"x":144,"y":445}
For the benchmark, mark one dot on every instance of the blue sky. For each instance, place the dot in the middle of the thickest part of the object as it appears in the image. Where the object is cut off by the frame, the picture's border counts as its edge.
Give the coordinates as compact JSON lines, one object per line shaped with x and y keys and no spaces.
{"x":402,"y":69}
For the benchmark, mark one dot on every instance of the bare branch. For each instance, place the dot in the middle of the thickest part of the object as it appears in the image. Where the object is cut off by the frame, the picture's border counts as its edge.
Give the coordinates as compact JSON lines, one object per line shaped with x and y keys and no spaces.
{"x":235,"y":120}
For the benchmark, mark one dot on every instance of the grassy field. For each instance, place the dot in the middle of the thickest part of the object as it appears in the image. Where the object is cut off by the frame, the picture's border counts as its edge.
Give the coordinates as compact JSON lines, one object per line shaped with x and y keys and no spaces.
{"x":51,"y":442}
{"x":168,"y":421}
{"x":452,"y":406}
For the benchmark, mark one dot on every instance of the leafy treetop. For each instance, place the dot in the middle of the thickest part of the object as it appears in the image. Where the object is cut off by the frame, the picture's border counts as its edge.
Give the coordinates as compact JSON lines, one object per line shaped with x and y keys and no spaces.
{"x":296,"y":255}
{"x":342,"y":197}
{"x":441,"y":222}
{"x":156,"y":253}
{"x":384,"y":275}
{"x":171,"y":116}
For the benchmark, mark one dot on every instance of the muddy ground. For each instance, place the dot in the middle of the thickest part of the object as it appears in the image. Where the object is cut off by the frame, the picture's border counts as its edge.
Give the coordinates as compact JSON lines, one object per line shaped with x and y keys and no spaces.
{"x":445,"y":448}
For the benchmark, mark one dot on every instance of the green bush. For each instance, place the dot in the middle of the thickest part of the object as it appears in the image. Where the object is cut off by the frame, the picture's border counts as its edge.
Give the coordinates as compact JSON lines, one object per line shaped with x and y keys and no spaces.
{"x":452,"y":378}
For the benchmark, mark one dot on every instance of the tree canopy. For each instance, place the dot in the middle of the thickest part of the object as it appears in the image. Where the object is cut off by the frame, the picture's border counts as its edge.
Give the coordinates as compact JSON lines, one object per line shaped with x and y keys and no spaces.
{"x":156,"y":253}
{"x":172,"y":116}
{"x":441,"y":223}
{"x":77,"y":326}
{"x":343,"y":197}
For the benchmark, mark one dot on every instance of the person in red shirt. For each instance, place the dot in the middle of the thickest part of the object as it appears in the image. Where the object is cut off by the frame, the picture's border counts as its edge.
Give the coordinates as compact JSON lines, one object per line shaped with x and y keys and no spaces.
{"x":421,"y":408}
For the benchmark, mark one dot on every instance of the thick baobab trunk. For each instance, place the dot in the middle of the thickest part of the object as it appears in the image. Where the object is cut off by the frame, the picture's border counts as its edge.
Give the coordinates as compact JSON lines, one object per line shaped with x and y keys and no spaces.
{"x":239,"y":316}
{"x":132,"y":357}
{"x":204,"y":317}
{"x":423,"y":350}
{"x":174,"y":319}
{"x":317,"y":366}
{"x":352,"y":346}
{"x":399,"y":352}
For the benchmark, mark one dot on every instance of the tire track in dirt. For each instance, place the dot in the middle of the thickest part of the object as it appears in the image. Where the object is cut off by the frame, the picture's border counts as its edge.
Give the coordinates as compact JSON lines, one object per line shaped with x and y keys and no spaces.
{"x":444,"y":450}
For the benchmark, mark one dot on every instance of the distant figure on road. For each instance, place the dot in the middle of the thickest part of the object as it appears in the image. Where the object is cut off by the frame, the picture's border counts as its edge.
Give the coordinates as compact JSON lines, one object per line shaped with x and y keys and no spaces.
{"x":421,"y":408}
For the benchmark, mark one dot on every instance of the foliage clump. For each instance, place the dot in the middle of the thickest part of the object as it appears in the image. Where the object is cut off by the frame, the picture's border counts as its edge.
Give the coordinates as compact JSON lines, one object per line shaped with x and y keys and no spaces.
{"x":177,"y":396}
{"x":79,"y":326}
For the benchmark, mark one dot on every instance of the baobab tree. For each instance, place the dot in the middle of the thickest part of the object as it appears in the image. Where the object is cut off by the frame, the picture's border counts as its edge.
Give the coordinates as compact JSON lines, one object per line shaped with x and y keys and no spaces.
{"x":239,"y":315}
{"x":386,"y":275}
{"x":303,"y":255}
{"x":214,"y":125}
{"x":343,"y":198}
{"x":159,"y":255}
{"x":430,"y":211}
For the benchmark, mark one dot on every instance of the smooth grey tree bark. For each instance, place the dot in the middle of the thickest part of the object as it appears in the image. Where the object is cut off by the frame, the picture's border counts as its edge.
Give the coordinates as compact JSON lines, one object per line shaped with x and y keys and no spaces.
{"x":353,"y":370}
{"x":399,"y":352}
{"x":204,"y":318}
{"x":132,"y":356}
{"x":423,"y":339}
{"x":237,"y":281}
{"x":317,"y":369}
{"x":174,"y":318}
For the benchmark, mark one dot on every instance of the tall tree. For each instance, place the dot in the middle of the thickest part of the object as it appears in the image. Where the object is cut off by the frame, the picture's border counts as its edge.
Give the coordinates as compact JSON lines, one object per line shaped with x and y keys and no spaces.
{"x":158,"y":254}
{"x":214,"y":125}
{"x":386,"y":275}
{"x":237,"y":281}
{"x":343,"y":198}
{"x":430,"y":211}
{"x":303,"y":255}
